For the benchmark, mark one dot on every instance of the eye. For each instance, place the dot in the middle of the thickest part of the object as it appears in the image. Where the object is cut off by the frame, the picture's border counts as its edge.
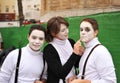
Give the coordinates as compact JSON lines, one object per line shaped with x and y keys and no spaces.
{"x":41,"y":38}
{"x":33,"y":37}
{"x":63,"y":30}
{"x":87,"y":29}
{"x":81,"y":29}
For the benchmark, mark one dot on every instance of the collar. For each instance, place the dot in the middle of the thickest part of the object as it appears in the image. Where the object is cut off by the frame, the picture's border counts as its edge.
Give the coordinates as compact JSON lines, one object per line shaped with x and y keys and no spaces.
{"x":92,"y":43}
{"x":32,"y":51}
{"x":59,"y":42}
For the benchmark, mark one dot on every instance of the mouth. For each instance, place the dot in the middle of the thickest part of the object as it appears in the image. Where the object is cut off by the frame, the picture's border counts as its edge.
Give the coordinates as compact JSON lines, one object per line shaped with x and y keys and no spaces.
{"x":66,"y":35}
{"x":83,"y":36}
{"x":36,"y":45}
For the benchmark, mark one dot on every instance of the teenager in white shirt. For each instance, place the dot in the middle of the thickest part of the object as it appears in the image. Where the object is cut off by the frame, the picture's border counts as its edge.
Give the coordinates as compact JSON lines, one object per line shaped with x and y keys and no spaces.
{"x":31,"y":63}
{"x":99,"y":67}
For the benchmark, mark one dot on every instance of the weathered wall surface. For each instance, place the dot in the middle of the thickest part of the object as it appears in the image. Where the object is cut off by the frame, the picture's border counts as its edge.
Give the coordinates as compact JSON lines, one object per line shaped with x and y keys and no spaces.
{"x":66,"y":8}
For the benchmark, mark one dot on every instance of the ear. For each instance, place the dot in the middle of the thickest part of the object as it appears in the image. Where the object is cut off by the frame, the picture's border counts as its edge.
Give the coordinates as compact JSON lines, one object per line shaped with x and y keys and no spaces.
{"x":96,"y":33}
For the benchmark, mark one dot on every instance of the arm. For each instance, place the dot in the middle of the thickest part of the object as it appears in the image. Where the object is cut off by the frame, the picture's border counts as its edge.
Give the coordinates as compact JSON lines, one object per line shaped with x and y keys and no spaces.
{"x":80,"y":81}
{"x":81,"y":50}
{"x":104,"y":66}
{"x":44,"y":76}
{"x":72,"y":44}
{"x":8,"y":67}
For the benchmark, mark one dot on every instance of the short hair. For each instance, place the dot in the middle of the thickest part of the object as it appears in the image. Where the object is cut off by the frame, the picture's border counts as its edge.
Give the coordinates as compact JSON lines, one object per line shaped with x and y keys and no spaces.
{"x":53,"y":26}
{"x":37,"y":27}
{"x":92,"y":21}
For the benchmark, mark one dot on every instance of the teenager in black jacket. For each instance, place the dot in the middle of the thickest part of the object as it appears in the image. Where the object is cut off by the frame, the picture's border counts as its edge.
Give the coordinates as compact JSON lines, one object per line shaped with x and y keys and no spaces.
{"x":61,"y":53}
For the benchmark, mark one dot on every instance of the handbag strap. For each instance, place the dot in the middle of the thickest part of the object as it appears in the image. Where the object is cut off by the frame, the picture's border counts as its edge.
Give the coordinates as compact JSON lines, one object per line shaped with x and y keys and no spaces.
{"x":17,"y":66}
{"x":83,"y":73}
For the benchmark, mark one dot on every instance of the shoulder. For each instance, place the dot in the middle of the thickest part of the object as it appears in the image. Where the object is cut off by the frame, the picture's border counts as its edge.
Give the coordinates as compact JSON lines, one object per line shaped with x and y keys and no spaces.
{"x":103,"y":56}
{"x":50,"y":51}
{"x":13,"y":53}
{"x":71,"y":41}
{"x":11,"y":57}
{"x":102,"y":51}
{"x":49,"y":47}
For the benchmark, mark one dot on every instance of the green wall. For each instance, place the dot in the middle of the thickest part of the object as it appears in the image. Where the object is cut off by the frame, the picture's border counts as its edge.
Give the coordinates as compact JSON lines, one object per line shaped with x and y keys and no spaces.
{"x":109,"y":32}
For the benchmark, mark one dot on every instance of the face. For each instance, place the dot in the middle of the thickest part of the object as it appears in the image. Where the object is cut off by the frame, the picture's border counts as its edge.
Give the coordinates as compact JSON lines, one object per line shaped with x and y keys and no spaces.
{"x":63,"y":34}
{"x":36,"y":39}
{"x":87,"y":32}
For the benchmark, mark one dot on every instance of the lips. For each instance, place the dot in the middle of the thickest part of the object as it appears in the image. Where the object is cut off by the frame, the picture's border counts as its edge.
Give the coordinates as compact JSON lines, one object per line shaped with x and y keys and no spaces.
{"x":36,"y":45}
{"x":66,"y":35}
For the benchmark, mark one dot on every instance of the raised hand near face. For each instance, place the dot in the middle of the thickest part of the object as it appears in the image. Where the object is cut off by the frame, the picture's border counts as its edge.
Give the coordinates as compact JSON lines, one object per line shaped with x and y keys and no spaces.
{"x":78,"y":48}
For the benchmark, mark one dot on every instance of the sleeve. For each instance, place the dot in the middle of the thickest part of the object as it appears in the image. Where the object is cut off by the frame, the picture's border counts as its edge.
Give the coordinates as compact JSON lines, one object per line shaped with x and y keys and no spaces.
{"x":104,"y":66}
{"x":72,"y":42}
{"x":54,"y":63}
{"x":77,"y":62}
{"x":7,"y":68}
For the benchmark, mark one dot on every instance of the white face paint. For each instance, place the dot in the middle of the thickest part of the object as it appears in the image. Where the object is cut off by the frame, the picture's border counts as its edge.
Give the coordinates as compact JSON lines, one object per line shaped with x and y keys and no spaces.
{"x":86,"y":32}
{"x":36,"y":39}
{"x":63,"y":34}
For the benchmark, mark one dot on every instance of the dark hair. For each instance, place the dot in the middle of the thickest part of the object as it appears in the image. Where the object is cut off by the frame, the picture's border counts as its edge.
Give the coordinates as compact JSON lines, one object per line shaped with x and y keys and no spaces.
{"x":92,"y":21}
{"x":37,"y":27}
{"x":53,"y":26}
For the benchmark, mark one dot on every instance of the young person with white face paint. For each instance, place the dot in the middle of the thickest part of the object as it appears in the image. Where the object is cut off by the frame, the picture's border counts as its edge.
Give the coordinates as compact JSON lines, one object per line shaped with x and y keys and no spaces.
{"x":31,"y":63}
{"x":60,"y":53}
{"x":99,"y":67}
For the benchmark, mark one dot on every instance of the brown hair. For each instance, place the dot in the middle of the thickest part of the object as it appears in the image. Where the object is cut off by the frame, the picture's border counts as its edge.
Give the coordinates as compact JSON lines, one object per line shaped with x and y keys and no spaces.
{"x":53,"y":27}
{"x":92,"y":21}
{"x":37,"y":27}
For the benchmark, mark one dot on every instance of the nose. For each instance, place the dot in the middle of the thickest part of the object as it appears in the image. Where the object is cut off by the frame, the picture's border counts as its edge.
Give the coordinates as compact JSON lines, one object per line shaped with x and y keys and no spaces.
{"x":82,"y":32}
{"x":37,"y":41}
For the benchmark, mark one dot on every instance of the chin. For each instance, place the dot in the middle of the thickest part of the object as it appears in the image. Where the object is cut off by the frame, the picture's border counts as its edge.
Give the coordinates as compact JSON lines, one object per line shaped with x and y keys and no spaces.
{"x":36,"y":50}
{"x":64,"y":38}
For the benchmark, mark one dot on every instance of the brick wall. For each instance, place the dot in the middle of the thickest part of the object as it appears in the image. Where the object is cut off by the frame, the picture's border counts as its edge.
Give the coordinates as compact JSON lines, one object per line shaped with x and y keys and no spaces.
{"x":67,"y":8}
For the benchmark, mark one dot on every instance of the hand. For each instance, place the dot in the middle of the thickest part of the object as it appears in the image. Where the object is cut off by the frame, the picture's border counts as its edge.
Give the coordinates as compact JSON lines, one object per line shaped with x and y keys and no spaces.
{"x":42,"y":81}
{"x":80,"y":81}
{"x":81,"y":50}
{"x":37,"y":81}
{"x":70,"y":79}
{"x":78,"y":48}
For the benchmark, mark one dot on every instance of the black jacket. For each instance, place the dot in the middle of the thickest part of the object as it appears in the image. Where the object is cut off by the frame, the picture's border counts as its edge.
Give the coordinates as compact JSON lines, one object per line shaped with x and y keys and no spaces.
{"x":55,"y":69}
